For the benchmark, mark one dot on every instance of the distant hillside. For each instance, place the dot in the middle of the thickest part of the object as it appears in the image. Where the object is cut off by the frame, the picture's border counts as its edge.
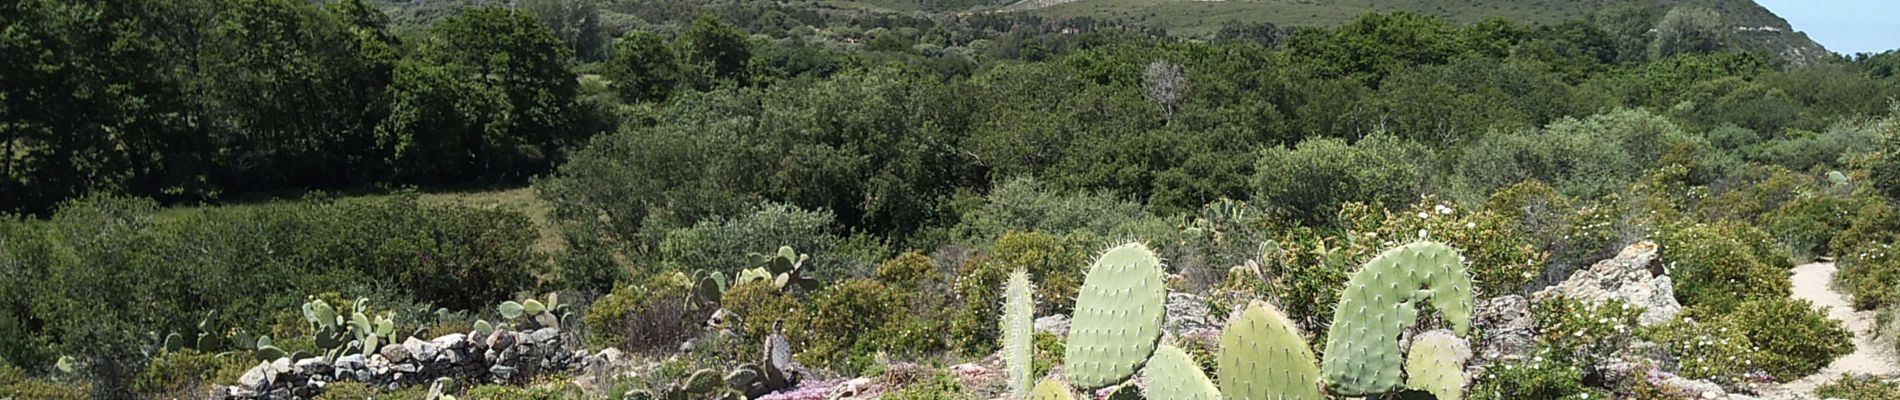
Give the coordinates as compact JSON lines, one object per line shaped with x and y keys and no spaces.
{"x":1758,"y":27}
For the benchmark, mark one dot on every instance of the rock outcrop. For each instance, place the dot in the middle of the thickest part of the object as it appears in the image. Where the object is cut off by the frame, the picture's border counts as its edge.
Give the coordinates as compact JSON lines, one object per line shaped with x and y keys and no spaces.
{"x":500,"y":357}
{"x":1634,"y":276}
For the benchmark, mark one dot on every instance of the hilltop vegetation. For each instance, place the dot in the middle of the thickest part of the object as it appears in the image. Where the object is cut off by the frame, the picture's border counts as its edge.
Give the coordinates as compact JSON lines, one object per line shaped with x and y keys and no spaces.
{"x":856,"y":188}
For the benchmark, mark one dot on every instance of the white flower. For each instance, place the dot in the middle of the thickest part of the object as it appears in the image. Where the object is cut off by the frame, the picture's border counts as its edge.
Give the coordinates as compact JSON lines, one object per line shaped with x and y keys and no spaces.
{"x":1442,"y":209}
{"x":1423,"y":215}
{"x":1423,"y":234}
{"x":1469,"y":225}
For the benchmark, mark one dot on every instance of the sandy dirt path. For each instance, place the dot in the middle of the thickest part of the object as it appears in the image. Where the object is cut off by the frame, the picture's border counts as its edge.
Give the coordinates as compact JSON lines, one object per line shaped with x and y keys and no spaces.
{"x":1813,"y":282}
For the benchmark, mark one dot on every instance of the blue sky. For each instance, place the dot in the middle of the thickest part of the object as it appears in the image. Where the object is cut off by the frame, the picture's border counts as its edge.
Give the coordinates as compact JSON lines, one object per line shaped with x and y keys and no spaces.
{"x":1844,"y":26}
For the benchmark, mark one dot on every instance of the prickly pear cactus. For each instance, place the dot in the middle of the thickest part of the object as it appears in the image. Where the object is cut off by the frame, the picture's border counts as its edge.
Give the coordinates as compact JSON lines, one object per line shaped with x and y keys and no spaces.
{"x":1172,"y":374}
{"x":1436,"y":364}
{"x":1264,"y":357}
{"x":1051,"y":389}
{"x":1117,"y":317}
{"x":702,"y":382}
{"x":1362,"y":349}
{"x":1018,"y":329}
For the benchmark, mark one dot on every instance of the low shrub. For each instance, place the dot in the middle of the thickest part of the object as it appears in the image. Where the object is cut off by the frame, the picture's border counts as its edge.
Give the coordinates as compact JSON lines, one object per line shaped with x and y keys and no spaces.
{"x":1808,"y":224}
{"x":1050,"y":350}
{"x":721,"y":244}
{"x":1502,"y":260}
{"x":1054,"y":263}
{"x":188,"y":373}
{"x":849,"y":323}
{"x":1708,"y":349}
{"x":1859,"y":387}
{"x":1800,"y":338}
{"x":936,"y":387}
{"x":348,"y":390}
{"x":973,"y":329}
{"x":14,"y":384}
{"x":759,"y":307}
{"x":1584,"y":334}
{"x":1534,"y":379}
{"x":1783,"y":338}
{"x":1722,"y":264}
{"x":1875,"y":222}
{"x":917,"y":283}
{"x":1310,"y":180}
{"x":1870,"y":275}
{"x":653,"y":318}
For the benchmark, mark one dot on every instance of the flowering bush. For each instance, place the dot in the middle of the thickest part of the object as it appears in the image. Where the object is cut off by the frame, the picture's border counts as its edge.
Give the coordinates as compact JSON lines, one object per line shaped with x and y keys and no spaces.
{"x":1859,"y":387}
{"x":1533,"y":379}
{"x":1708,"y":349}
{"x":1502,"y":261}
{"x":1722,"y":264}
{"x":1583,"y":333}
{"x":1780,"y":337}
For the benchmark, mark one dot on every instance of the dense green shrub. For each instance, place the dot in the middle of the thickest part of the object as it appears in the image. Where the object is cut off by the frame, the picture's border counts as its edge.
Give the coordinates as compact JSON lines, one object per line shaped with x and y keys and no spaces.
{"x":936,"y":387}
{"x":760,"y":306}
{"x":166,"y":269}
{"x":1582,"y":334}
{"x":1800,"y":338}
{"x":1025,"y":205}
{"x":929,"y":300}
{"x":1870,"y":275}
{"x":721,"y":244}
{"x":1875,"y":222}
{"x":911,"y":271}
{"x":653,"y":317}
{"x":1502,"y":260}
{"x":1054,"y":263}
{"x":1587,"y":158}
{"x":1859,"y":387}
{"x":1310,"y":180}
{"x":849,"y":323}
{"x":1723,"y":264}
{"x":979,"y":295}
{"x":1533,"y":380}
{"x":1808,"y":224}
{"x":1782,"y":337}
{"x":188,"y":373}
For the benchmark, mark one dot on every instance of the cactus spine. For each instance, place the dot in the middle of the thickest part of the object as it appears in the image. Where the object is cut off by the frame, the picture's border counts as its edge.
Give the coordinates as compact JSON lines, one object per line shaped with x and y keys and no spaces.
{"x":1264,"y":357}
{"x":1378,"y":304}
{"x":1173,"y":375}
{"x":1018,"y":329}
{"x":1117,"y":318}
{"x":1436,"y":364}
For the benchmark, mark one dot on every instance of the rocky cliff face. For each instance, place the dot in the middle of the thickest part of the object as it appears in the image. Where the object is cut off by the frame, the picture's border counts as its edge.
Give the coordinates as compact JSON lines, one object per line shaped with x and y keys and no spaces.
{"x":1758,"y":28}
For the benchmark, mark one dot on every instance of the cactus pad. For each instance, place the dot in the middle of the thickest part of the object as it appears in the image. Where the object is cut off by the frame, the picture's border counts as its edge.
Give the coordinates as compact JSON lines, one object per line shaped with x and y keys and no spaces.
{"x":1018,"y":329}
{"x":1051,"y":389}
{"x":1172,"y":374}
{"x":1264,"y":357}
{"x":1436,"y":364}
{"x":702,"y":381}
{"x":1378,"y":304}
{"x":511,"y":310}
{"x":1118,"y":315}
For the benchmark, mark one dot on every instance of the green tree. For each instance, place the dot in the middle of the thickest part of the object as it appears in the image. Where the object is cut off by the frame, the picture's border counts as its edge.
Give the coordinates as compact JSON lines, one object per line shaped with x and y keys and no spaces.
{"x":577,"y":22}
{"x":488,"y":93}
{"x":642,"y":68}
{"x":289,"y":88}
{"x":1689,"y":30}
{"x":714,"y":52}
